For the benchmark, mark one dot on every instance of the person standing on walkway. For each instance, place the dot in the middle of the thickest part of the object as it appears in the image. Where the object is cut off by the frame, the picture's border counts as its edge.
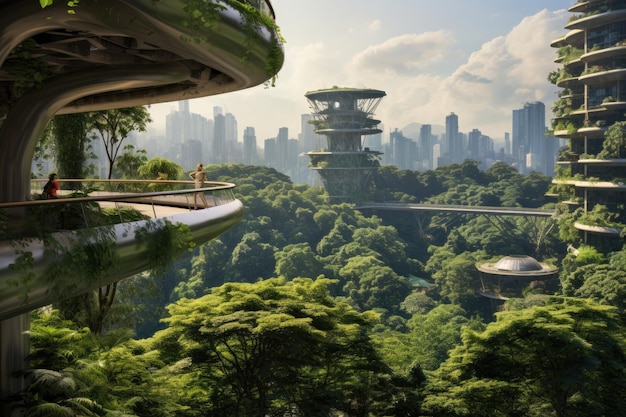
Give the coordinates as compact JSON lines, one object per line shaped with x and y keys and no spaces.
{"x":199,"y":177}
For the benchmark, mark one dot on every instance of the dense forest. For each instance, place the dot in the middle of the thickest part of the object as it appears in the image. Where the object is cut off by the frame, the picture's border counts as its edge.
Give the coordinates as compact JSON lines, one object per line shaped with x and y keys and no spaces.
{"x":307,"y":308}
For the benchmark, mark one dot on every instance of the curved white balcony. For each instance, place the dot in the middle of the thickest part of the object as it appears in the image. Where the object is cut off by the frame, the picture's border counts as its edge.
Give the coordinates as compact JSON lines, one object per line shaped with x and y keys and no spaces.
{"x":600,"y":54}
{"x":612,"y":231}
{"x":25,"y":288}
{"x":603,"y":76}
{"x":597,"y":20}
{"x":579,"y":7}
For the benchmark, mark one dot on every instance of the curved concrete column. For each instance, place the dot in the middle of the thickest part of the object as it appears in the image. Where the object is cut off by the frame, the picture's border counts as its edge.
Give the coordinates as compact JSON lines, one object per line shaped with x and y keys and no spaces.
{"x":27,"y":119}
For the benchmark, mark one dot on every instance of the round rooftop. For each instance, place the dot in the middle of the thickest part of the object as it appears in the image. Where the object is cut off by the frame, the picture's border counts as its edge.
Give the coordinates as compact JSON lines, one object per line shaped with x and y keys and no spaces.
{"x":517,"y":265}
{"x":332,"y":93}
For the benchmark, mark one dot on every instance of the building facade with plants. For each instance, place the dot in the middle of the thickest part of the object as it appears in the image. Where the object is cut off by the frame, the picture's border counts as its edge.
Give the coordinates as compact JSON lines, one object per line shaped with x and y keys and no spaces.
{"x":59,"y":58}
{"x":590,"y":113}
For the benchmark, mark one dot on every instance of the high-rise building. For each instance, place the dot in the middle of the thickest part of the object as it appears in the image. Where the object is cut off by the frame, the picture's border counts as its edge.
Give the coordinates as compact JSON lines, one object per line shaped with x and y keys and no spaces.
{"x":269,"y":153}
{"x":403,"y":150}
{"x":532,"y":150}
{"x":218,"y":148}
{"x":474,"y":143}
{"x":166,"y":67}
{"x":230,"y":138}
{"x":183,"y":126}
{"x":343,"y":115}
{"x":507,"y":143}
{"x":308,"y":138}
{"x":453,"y":147}
{"x":250,"y":153}
{"x":426,"y":143}
{"x":282,"y":143}
{"x":590,"y":114}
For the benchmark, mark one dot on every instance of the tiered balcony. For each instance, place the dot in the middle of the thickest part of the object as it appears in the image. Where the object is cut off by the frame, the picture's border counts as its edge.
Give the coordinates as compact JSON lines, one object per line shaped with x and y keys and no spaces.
{"x":28,"y":269}
{"x":597,"y":19}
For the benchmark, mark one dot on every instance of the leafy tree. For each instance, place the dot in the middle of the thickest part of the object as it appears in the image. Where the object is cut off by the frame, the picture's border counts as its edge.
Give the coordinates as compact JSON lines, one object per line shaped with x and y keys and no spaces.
{"x":270,"y":348}
{"x":113,"y":126}
{"x":455,"y":275}
{"x":129,"y":162}
{"x":386,"y":242}
{"x":297,"y":260}
{"x":371,"y":284}
{"x":160,"y":168}
{"x":433,"y":334}
{"x":565,"y":358}
{"x":251,"y":259}
{"x":418,"y":303}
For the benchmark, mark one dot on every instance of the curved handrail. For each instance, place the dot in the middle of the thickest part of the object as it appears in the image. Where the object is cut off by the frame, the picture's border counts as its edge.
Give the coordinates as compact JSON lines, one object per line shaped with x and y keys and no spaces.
{"x":217,"y":186}
{"x":28,"y":278}
{"x":178,"y":200}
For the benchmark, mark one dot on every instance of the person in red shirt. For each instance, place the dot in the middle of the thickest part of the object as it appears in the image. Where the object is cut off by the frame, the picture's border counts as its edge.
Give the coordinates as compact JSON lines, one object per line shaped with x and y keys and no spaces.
{"x":51,"y":187}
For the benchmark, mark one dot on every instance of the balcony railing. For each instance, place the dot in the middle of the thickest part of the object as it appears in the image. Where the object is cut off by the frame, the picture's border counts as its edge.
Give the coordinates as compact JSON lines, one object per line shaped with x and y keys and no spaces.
{"x":152,"y":198}
{"x":40,"y":239}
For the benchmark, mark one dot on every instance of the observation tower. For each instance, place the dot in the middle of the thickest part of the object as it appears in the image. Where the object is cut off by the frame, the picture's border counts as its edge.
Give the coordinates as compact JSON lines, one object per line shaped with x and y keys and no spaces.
{"x":99,"y":55}
{"x":590,"y":114}
{"x":344,"y":116}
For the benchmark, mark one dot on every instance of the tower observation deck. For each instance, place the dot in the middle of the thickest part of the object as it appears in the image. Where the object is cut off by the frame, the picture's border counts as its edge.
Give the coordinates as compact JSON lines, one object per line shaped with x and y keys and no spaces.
{"x":344,"y":116}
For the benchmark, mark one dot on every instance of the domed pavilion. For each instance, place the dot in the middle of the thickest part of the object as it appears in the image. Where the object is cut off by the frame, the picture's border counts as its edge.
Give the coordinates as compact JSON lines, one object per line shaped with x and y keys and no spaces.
{"x":508,"y":277}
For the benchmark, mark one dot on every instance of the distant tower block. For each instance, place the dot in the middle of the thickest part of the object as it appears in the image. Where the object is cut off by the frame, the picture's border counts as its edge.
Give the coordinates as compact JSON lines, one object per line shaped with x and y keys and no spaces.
{"x":343,"y":115}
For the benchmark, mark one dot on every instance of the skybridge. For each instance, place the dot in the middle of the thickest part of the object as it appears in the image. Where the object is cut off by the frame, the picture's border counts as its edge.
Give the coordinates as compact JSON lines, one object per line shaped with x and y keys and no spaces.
{"x":458,"y":209}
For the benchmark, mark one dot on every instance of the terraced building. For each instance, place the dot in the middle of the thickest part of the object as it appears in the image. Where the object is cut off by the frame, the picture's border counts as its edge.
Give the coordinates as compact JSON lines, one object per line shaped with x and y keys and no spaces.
{"x":344,"y":116}
{"x":590,"y":112}
{"x":63,"y":57}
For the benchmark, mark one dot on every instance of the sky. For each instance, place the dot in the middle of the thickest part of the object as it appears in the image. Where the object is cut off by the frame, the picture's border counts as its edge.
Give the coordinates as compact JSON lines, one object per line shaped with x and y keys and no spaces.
{"x":480,"y":59}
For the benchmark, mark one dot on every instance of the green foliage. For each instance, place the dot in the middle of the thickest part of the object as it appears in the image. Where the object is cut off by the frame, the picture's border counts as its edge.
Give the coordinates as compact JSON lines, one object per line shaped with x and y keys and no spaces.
{"x":297,"y":260}
{"x":71,"y":141}
{"x":160,"y":168}
{"x":165,"y":241}
{"x":129,"y":162}
{"x":113,"y":126}
{"x":455,"y":275}
{"x":564,"y":358}
{"x":269,"y":347}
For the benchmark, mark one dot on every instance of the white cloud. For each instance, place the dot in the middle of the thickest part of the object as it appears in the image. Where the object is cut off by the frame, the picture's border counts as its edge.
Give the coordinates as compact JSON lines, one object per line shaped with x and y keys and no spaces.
{"x":503,"y":74}
{"x":420,"y":74}
{"x":405,"y":54}
{"x":374,"y":25}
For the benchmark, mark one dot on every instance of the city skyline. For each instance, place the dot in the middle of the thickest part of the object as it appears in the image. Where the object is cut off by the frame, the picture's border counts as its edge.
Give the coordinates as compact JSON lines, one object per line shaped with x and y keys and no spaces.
{"x":478,"y":61}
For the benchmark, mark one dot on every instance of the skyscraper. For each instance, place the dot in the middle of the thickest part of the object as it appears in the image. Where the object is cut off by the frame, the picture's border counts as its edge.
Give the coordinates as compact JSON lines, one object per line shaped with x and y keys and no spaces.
{"x":250,"y":156}
{"x":218,"y":150}
{"x":282,"y":143}
{"x":474,"y":144}
{"x":531,"y":150}
{"x":453,"y":147}
{"x":230,"y":138}
{"x":426,"y":143}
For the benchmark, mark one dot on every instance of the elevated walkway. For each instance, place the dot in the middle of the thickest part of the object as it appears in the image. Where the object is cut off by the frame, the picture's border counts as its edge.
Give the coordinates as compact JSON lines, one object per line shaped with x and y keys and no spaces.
{"x":31,"y":272}
{"x":508,"y":211}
